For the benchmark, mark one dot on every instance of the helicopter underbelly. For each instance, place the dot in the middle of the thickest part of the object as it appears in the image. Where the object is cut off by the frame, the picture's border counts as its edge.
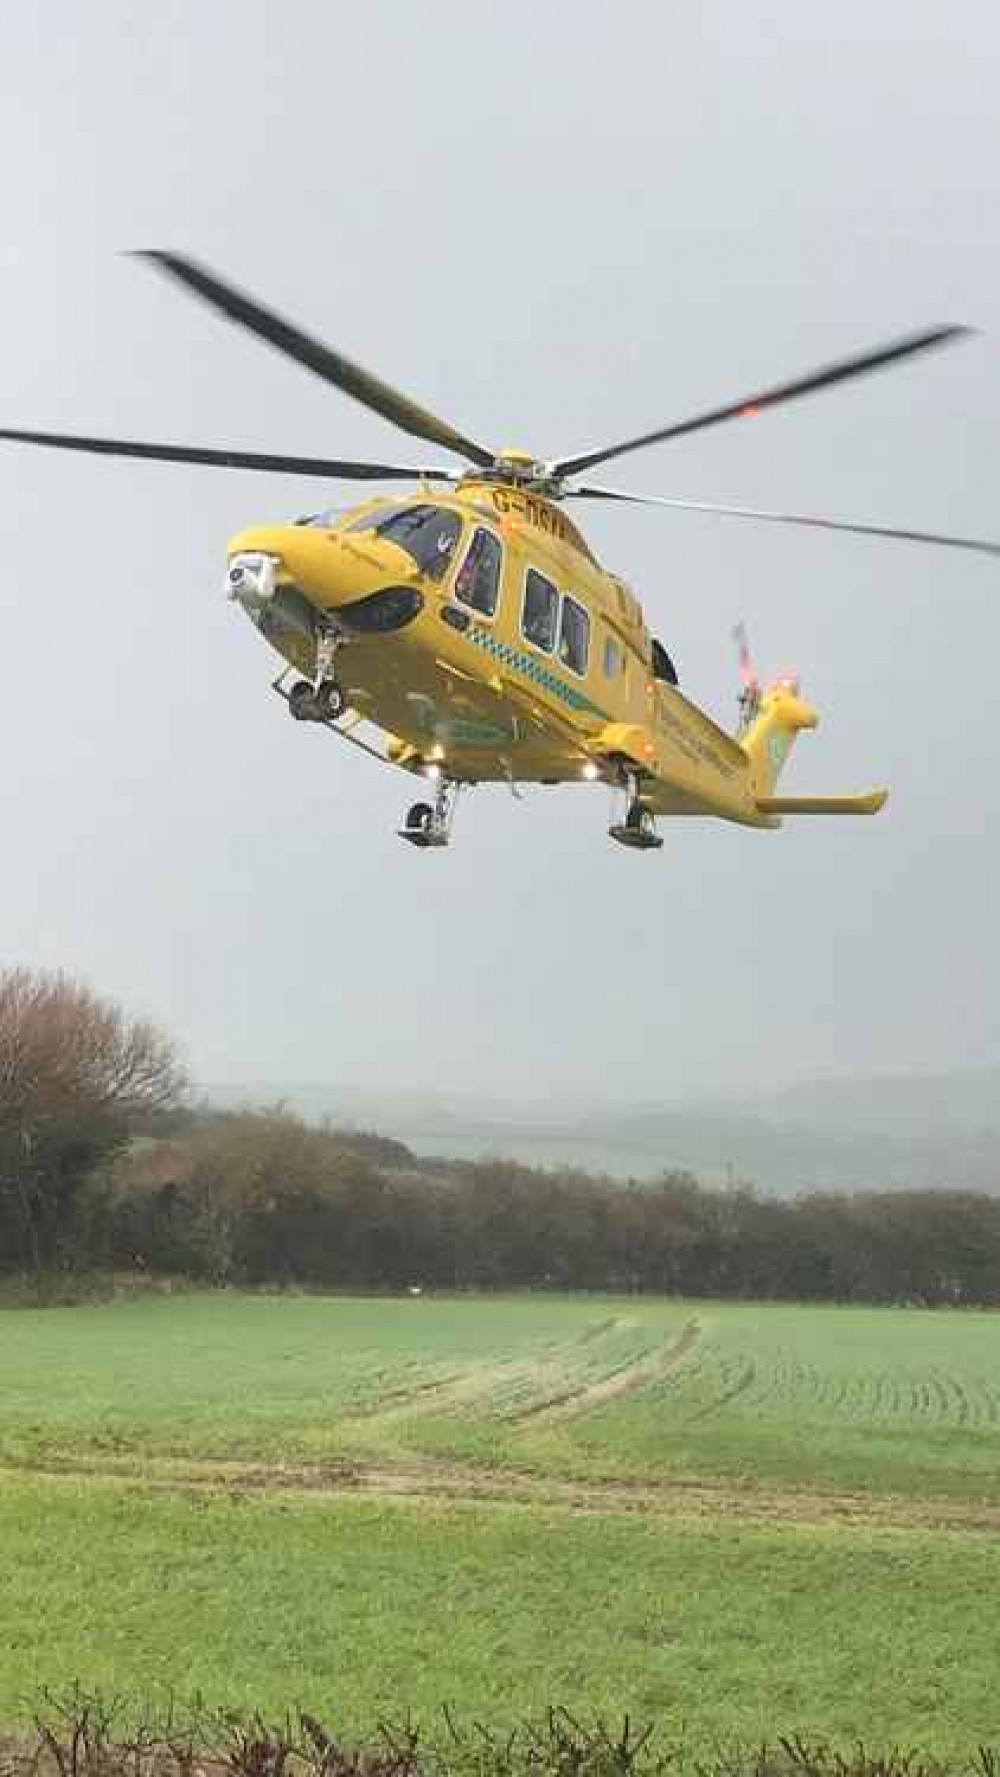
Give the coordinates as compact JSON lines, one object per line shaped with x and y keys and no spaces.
{"x":435,"y":707}
{"x":477,"y":732}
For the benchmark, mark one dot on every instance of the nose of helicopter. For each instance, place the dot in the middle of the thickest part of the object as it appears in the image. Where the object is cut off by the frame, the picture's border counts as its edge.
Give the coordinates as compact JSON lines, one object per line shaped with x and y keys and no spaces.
{"x":368,"y":583}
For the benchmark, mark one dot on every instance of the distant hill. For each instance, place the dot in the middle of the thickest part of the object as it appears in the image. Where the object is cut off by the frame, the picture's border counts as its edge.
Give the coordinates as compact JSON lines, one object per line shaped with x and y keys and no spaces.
{"x":929,"y":1105}
{"x":936,"y":1130}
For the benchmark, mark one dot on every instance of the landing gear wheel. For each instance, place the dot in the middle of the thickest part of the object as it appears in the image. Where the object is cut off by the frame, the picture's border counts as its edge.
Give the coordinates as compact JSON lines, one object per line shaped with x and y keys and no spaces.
{"x":302,"y":701}
{"x":638,"y":829}
{"x":418,"y":826}
{"x":329,"y":701}
{"x":431,"y":825}
{"x":419,"y":818}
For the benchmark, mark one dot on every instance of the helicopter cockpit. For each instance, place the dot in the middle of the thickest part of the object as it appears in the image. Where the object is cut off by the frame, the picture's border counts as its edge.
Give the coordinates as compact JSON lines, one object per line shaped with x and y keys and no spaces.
{"x":429,"y":534}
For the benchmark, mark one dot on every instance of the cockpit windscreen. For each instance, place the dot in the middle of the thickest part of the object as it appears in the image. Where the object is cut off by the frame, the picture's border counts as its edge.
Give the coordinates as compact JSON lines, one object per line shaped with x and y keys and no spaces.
{"x":429,"y":534}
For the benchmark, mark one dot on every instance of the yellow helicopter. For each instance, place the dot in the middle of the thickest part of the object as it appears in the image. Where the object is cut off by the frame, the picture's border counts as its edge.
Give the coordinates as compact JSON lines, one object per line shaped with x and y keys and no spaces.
{"x":466,"y":632}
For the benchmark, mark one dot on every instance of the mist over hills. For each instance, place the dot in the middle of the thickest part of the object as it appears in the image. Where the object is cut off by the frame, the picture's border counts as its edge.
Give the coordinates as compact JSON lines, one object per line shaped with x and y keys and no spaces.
{"x":930,"y":1105}
{"x":877,"y":1132}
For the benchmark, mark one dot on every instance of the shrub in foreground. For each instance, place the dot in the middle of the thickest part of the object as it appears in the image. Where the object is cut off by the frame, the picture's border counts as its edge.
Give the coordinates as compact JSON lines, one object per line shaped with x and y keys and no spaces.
{"x":84,"y":1735}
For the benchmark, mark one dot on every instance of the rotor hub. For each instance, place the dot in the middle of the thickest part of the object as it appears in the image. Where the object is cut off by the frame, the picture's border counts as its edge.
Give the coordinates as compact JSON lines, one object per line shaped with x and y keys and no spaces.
{"x":519,"y":465}
{"x":519,"y":468}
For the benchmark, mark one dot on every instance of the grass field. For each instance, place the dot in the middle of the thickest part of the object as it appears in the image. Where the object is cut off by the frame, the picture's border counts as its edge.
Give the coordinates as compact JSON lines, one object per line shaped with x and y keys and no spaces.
{"x":745,"y":1519}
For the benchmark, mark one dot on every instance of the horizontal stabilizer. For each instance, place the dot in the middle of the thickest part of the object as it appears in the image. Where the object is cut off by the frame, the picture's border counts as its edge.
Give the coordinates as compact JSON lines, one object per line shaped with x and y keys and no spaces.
{"x":869,"y":804}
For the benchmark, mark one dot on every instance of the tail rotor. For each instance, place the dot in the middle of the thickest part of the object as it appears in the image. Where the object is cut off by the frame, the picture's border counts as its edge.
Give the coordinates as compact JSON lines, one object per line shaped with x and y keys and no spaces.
{"x":749,"y":696}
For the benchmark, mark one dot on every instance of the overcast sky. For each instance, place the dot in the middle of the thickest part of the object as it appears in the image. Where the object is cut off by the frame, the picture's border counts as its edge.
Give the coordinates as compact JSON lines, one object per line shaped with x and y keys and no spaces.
{"x":556,"y":224}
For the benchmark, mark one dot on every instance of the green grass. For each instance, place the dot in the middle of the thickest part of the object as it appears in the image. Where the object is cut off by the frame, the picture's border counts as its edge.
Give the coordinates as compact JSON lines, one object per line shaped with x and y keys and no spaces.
{"x":896,"y":1401}
{"x":367,"y":1609}
{"x":355,"y":1606}
{"x":884,"y":1401}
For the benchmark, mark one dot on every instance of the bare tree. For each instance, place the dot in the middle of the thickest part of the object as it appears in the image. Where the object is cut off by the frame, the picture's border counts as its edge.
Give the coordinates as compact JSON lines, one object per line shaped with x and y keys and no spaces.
{"x":76,"y":1075}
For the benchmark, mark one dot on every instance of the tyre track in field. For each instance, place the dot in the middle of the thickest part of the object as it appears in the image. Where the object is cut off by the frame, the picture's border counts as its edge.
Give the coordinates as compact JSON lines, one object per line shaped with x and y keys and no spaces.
{"x":588,"y":1397}
{"x":430,"y":1482}
{"x":551,"y":1397}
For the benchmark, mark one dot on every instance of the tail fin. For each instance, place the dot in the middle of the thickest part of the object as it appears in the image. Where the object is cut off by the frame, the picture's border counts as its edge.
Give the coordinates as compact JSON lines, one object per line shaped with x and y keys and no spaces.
{"x":768,"y":742}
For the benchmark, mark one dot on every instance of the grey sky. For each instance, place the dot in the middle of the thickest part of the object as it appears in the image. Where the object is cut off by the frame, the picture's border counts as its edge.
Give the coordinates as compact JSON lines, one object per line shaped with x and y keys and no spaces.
{"x":557,"y":225}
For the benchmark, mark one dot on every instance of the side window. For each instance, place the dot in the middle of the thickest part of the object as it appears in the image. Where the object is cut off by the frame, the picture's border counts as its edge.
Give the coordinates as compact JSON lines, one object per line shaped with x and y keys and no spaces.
{"x":614,"y":659}
{"x":541,"y":602}
{"x":478,"y":579}
{"x":574,"y":636}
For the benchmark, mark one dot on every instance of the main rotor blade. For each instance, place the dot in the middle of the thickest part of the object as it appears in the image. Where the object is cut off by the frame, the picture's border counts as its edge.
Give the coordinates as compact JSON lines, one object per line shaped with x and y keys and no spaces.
{"x":332,"y":366}
{"x":330,"y":468}
{"x":842,"y":371}
{"x":800,"y":518}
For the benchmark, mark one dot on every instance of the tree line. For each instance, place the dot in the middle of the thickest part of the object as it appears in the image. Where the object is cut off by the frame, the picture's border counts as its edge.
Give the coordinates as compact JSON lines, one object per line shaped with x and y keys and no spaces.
{"x":104,"y":1167}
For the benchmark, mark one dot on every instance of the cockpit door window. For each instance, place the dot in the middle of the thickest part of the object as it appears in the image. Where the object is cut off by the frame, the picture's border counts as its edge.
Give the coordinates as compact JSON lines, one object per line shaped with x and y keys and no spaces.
{"x":477,"y":582}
